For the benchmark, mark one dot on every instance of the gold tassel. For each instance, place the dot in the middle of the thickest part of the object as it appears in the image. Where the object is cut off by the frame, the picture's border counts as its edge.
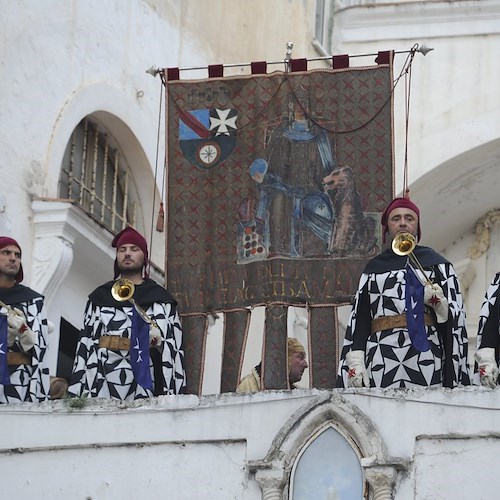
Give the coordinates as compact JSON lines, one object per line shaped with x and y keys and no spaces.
{"x":160,"y":221}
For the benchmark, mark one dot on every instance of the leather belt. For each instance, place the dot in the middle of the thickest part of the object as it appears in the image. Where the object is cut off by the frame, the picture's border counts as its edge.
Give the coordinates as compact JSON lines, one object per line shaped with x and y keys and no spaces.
{"x":397,"y":321}
{"x":114,"y":343}
{"x":18,"y":358}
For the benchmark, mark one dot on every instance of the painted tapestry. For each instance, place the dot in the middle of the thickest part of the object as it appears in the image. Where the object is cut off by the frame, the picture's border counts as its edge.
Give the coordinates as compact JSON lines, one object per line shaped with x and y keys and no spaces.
{"x":276,"y":184}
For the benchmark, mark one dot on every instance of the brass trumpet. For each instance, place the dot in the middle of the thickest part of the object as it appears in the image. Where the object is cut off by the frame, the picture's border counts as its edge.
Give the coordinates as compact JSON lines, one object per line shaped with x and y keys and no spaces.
{"x":122,"y":290}
{"x":404,"y":244}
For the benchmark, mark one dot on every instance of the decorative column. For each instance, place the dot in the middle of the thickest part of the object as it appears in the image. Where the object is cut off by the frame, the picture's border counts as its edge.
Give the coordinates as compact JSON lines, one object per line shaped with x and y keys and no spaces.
{"x":381,"y":479}
{"x":271,"y":478}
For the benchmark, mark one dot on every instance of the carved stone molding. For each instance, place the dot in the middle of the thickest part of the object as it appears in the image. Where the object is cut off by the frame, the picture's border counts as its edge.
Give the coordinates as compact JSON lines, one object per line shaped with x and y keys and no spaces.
{"x":483,"y":229}
{"x":57,"y":224}
{"x":274,"y":470}
{"x":271,"y":478}
{"x":466,"y":272}
{"x":52,"y":258}
{"x":381,"y":479}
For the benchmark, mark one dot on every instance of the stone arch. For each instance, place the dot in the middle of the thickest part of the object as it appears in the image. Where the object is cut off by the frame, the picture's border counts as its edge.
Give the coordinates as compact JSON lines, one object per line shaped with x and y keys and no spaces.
{"x":273,"y":472}
{"x":340,"y":473}
{"x":457,"y":193}
{"x":121,"y":114}
{"x":71,"y":252}
{"x":124,"y":119}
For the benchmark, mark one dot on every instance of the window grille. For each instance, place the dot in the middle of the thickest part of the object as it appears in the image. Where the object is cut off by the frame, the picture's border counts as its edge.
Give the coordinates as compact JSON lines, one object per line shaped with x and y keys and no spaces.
{"x":94,"y":175}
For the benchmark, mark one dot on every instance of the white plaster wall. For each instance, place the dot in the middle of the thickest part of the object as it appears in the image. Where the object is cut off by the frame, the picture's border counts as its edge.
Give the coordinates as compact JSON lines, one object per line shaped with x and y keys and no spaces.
{"x":151,"y":470}
{"x":180,"y":447}
{"x":62,"y":60}
{"x":439,"y":454}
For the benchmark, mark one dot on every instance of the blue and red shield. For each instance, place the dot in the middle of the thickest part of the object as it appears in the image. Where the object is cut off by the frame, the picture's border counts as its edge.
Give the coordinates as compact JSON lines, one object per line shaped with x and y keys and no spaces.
{"x":207,"y":136}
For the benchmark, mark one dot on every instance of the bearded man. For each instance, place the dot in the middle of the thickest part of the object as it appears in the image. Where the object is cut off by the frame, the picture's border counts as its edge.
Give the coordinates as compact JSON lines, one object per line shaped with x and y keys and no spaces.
{"x":24,"y":375}
{"x":407,"y":325}
{"x":129,"y":349}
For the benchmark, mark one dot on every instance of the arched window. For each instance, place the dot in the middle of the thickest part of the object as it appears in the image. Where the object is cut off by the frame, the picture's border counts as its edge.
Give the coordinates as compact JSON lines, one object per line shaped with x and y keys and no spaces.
{"x":334,"y":451}
{"x":94,"y":175}
{"x":327,"y":468}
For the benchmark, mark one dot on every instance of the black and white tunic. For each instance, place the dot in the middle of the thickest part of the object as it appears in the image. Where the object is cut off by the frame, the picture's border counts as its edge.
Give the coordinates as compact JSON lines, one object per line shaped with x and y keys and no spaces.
{"x":390,"y":357}
{"x":488,"y":334}
{"x":105,"y":373}
{"x":27,"y":382}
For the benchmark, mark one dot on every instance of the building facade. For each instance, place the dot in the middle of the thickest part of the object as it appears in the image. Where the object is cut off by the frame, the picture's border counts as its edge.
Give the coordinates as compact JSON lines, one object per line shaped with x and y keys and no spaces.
{"x":76,"y":91}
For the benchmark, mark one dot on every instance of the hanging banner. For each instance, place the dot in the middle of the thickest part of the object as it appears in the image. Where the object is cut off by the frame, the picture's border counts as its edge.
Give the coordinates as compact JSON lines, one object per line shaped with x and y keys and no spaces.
{"x":276,"y":184}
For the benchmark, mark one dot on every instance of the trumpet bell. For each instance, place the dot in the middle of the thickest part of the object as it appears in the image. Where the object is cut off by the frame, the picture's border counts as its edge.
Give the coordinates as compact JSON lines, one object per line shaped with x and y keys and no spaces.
{"x":122,"y":290}
{"x":404,"y":244}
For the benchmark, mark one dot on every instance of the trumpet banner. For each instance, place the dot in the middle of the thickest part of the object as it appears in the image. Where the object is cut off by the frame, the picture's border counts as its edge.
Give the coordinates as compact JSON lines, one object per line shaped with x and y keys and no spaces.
{"x":276,"y":184}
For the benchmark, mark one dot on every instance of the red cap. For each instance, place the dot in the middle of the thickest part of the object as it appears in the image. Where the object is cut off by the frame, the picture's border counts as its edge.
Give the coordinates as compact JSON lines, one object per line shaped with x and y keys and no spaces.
{"x":399,"y":203}
{"x":5,"y":241}
{"x":129,"y":236}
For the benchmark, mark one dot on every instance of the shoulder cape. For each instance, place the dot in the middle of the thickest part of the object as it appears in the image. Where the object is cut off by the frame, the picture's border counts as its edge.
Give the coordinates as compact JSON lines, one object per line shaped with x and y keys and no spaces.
{"x":18,"y":294}
{"x":389,"y":261}
{"x":145,"y":294}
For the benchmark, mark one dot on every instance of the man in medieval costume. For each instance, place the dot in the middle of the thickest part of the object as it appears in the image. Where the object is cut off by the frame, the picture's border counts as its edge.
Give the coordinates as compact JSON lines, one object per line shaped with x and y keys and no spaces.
{"x":24,"y":375}
{"x":488,"y":337}
{"x":407,"y":326}
{"x":131,"y":348}
{"x":296,"y":365}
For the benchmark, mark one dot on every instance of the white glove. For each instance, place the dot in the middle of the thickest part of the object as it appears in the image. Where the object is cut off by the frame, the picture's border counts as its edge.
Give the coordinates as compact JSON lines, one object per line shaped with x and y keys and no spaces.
{"x":15,"y":319}
{"x":11,"y":336}
{"x":434,"y":297}
{"x":17,"y":328}
{"x":155,"y":338}
{"x":488,"y":368}
{"x":26,"y":338}
{"x":358,"y":375}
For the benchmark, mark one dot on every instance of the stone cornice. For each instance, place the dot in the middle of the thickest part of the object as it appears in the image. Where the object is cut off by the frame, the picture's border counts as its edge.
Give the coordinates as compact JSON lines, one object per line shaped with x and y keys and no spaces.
{"x":367,"y":21}
{"x":57,"y":224}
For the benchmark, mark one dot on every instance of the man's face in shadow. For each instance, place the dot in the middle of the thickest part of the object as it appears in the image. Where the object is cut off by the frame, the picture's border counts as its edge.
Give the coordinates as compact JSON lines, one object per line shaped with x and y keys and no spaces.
{"x":298,"y":364}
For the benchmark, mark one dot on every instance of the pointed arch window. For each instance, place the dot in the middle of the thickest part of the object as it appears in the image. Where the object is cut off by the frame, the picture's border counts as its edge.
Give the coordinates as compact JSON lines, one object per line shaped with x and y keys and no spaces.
{"x":327,"y":468}
{"x":95,"y":176}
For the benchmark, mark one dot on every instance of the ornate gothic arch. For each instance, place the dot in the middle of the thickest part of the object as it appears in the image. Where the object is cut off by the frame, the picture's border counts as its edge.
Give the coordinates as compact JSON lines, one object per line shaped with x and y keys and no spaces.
{"x":273,"y":472}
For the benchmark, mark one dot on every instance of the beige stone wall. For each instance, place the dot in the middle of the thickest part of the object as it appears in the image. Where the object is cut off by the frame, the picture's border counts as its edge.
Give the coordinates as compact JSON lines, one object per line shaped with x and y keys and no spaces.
{"x":241,"y":31}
